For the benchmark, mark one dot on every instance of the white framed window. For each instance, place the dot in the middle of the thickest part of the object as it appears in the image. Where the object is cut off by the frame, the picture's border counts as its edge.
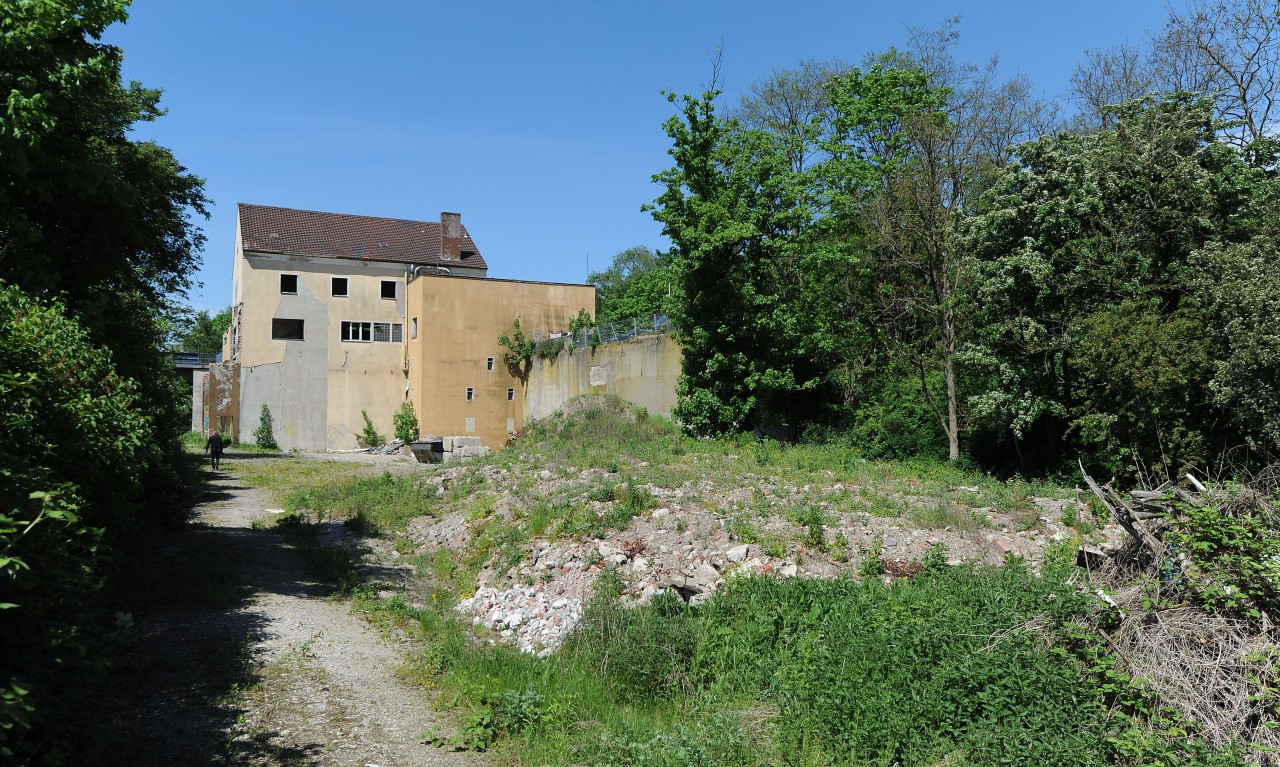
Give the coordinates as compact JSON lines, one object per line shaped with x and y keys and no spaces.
{"x":397,"y":333}
{"x":389,"y":289}
{"x":339,"y":287}
{"x":471,"y":393}
{"x":289,"y":284}
{"x":357,"y":331}
{"x":488,"y":363}
{"x":413,"y":332}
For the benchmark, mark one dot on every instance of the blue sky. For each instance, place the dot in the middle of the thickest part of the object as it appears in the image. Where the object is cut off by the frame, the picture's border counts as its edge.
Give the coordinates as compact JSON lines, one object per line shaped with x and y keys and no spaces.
{"x":539,"y":122}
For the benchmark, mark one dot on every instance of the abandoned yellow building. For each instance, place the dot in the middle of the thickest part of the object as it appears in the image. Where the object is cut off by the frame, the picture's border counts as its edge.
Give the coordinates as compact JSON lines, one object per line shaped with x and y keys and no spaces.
{"x":335,"y":315}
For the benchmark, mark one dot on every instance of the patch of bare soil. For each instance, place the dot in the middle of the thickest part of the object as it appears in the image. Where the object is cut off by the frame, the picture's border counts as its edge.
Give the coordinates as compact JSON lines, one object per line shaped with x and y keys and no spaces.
{"x":238,"y":656}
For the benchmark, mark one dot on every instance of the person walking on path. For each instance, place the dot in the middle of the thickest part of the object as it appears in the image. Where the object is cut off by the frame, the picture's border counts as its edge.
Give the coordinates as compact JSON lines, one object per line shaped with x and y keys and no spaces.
{"x":213,"y":446}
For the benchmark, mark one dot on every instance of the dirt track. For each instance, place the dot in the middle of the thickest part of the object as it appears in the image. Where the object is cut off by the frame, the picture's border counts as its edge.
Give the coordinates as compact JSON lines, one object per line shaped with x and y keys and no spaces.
{"x":283,"y":674}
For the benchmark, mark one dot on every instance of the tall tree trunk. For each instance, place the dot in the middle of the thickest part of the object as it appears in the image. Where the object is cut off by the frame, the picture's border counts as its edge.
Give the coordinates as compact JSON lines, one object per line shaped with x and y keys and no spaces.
{"x":949,"y":370}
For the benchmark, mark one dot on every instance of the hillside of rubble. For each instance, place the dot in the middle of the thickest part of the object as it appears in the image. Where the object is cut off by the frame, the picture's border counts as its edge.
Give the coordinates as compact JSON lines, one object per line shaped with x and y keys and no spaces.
{"x":609,"y":591}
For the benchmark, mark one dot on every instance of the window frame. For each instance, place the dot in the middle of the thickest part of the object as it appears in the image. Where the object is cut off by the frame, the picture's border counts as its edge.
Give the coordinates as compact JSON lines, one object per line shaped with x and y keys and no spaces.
{"x":279,"y":332}
{"x":350,"y":331}
{"x":383,"y":290}
{"x":346,"y":287}
{"x":511,"y":394}
{"x":471,"y":394}
{"x":283,"y":277}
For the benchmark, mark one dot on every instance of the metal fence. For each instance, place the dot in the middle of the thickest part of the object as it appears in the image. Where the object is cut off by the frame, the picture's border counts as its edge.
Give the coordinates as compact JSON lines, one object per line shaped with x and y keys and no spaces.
{"x":611,"y":332}
{"x":191,"y":358}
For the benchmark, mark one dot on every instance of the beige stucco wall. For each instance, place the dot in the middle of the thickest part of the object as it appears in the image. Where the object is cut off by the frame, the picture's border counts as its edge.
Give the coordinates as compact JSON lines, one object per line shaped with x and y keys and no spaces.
{"x":198,"y":414}
{"x":459,"y":323}
{"x":317,"y":387}
{"x":642,"y":371}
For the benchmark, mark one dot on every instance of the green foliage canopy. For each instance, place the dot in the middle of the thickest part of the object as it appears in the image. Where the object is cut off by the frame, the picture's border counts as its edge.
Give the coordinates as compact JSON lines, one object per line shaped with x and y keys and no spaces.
{"x":76,"y":449}
{"x":1088,"y":329}
{"x":639,"y":283}
{"x":86,"y":213}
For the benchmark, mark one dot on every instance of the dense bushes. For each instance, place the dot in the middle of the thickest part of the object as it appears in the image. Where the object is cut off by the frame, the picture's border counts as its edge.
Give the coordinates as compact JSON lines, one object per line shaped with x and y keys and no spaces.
{"x":77,"y":447}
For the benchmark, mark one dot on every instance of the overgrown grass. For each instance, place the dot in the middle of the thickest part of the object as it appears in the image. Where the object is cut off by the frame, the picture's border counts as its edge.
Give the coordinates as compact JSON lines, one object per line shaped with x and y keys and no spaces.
{"x":939,"y":669}
{"x":957,"y":665}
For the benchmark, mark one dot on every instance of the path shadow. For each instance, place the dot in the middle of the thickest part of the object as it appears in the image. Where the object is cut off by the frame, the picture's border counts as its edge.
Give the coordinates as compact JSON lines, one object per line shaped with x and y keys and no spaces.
{"x":190,"y":635}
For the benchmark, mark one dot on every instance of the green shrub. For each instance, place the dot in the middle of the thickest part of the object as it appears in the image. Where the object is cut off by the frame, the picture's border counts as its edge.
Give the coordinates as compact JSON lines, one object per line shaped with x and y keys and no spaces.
{"x":77,"y":445}
{"x":548,"y":348}
{"x":264,"y":436}
{"x":406,"y":422}
{"x":896,"y":422}
{"x":370,"y":436}
{"x":643,"y":653}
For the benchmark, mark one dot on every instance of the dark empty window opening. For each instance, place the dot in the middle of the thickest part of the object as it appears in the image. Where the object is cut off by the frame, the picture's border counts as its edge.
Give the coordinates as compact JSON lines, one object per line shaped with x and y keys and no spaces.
{"x":471,"y":393}
{"x":357,"y":331}
{"x":289,"y":284}
{"x":511,"y":394}
{"x":286,"y":330}
{"x":488,"y":363}
{"x":339,"y":286}
{"x":389,"y":289}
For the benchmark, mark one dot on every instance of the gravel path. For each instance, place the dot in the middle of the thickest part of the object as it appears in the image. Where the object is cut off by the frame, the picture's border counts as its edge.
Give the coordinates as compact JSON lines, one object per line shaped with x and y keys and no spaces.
{"x":319,"y":685}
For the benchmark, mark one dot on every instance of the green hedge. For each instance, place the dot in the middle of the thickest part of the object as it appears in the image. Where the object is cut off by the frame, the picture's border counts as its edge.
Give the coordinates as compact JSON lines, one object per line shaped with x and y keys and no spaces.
{"x":77,"y":446}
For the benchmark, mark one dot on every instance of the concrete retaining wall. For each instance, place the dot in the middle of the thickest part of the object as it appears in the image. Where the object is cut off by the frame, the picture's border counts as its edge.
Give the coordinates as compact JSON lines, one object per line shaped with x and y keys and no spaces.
{"x":642,"y":371}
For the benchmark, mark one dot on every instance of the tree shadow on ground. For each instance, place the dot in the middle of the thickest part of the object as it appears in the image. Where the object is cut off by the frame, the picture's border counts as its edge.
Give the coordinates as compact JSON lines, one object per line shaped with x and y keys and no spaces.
{"x":188,"y":638}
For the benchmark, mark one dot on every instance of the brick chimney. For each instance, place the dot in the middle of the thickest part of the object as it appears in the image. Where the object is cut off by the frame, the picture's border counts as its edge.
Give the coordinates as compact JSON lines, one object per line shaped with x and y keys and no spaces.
{"x":450,"y":236}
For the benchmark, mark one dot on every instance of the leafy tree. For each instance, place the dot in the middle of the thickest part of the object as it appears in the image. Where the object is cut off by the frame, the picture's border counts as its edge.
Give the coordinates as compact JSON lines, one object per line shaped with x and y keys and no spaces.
{"x":265,"y":436}
{"x":790,"y":101}
{"x":406,"y":422}
{"x":760,"y":326}
{"x":1238,"y":286}
{"x":519,"y":354}
{"x":75,"y":452}
{"x":1085,"y":326}
{"x":86,"y":213}
{"x":639,"y":283}
{"x":1227,"y":51}
{"x":203,"y":333}
{"x":920,"y":134}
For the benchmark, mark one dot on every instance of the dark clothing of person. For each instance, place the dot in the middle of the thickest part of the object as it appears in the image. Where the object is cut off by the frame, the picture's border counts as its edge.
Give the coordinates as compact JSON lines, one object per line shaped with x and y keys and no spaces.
{"x":214,"y":447}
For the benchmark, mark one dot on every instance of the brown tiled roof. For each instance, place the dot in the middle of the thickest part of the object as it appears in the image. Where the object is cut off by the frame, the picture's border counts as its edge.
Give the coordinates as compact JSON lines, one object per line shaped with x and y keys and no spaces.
{"x":267,"y":229}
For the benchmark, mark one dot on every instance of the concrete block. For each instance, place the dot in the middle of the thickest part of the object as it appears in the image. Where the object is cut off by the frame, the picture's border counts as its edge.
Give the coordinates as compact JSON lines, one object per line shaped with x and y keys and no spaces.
{"x":448,"y":444}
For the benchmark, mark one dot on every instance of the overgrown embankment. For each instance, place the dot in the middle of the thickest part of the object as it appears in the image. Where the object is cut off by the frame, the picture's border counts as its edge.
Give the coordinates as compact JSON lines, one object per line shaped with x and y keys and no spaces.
{"x":946,"y":646}
{"x":81,"y":470}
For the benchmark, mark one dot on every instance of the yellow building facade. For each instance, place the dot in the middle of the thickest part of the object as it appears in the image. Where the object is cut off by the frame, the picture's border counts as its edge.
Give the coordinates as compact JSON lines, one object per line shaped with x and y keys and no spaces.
{"x":458,"y":380}
{"x":336,"y":316}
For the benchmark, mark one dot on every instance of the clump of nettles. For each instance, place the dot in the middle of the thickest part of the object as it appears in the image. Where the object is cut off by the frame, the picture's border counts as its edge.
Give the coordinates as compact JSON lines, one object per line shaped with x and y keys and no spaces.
{"x":264,"y":436}
{"x":370,"y":436}
{"x":406,"y":422}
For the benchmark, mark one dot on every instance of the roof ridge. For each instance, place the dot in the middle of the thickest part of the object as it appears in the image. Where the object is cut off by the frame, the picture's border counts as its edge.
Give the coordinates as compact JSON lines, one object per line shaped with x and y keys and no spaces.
{"x":241,"y":205}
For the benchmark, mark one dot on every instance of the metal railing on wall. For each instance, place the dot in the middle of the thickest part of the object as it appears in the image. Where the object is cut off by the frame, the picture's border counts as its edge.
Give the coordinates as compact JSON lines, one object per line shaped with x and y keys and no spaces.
{"x":191,"y":357}
{"x":612,"y":332}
